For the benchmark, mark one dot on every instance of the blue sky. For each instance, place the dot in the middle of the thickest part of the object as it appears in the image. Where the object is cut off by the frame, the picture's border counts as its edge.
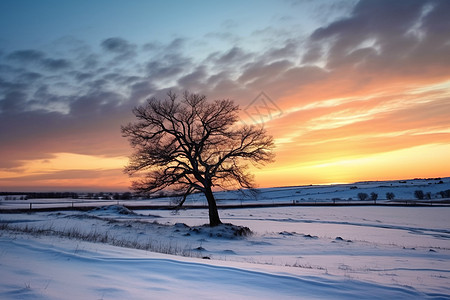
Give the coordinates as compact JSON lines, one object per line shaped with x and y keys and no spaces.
{"x":39,"y":24}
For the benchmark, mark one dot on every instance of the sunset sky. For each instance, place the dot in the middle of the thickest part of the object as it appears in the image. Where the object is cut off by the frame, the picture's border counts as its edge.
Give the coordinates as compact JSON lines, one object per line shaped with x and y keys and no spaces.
{"x":350,"y":90}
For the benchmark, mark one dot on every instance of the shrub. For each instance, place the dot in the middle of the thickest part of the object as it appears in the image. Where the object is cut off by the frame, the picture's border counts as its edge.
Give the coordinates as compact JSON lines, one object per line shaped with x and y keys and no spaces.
{"x":419,"y":194}
{"x":390,"y":196}
{"x":445,"y":194}
{"x":373,"y":196}
{"x":362,"y":196}
{"x":336,"y":199}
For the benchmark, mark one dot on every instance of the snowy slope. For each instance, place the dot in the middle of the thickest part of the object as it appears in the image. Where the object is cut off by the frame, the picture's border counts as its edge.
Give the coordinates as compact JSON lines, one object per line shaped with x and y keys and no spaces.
{"x":373,"y":252}
{"x":52,"y":269}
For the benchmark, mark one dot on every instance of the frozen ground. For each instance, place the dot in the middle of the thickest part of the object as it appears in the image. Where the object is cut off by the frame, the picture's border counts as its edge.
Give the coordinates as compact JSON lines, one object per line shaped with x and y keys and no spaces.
{"x":371,"y":252}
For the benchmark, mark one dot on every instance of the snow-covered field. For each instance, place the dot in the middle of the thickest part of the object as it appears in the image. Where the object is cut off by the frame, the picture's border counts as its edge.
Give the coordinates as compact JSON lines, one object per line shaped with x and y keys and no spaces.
{"x":403,"y":191}
{"x":334,"y":252}
{"x":295,"y":252}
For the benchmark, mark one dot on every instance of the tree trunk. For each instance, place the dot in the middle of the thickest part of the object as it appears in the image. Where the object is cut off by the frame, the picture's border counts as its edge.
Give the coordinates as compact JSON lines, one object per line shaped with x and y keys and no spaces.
{"x":214,"y":218}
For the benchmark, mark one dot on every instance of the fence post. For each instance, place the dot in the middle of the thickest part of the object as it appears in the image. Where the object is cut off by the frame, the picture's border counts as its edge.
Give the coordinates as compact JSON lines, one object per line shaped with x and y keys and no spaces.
{"x":30,"y":205}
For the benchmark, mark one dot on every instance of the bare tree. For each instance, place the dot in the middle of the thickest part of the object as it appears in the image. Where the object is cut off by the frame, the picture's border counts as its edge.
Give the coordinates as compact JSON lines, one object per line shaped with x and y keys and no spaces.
{"x":390,"y":196}
{"x":374,"y":197}
{"x":363,"y":196}
{"x":194,"y":145}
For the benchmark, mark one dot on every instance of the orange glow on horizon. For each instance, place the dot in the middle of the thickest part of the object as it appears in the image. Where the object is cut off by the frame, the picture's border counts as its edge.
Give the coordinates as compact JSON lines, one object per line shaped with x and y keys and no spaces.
{"x":400,"y":164}
{"x":69,"y":171}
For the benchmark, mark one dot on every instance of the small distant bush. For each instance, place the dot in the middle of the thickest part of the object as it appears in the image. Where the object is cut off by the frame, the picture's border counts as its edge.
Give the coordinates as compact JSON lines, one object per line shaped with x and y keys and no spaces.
{"x":124,"y":196}
{"x":390,"y":196}
{"x":336,"y":199}
{"x":445,"y":194}
{"x":362,"y":196}
{"x":419,"y":194}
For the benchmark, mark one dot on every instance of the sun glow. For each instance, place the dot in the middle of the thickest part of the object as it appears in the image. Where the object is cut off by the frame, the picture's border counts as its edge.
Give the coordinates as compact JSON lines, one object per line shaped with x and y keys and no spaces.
{"x":421,"y":161}
{"x":72,"y":161}
{"x":74,"y":171}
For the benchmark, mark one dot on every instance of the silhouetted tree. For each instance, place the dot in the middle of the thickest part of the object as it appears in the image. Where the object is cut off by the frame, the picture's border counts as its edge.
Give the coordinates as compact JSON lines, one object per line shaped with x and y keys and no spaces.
{"x":194,"y":145}
{"x":445,"y":194}
{"x":126,"y":196}
{"x":362,"y":196}
{"x":419,"y":194}
{"x":374,"y":197}
{"x":390,"y":196}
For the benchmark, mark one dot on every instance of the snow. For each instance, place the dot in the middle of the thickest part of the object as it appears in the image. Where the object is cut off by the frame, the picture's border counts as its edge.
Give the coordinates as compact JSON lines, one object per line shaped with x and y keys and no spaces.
{"x":104,"y":272}
{"x":335,"y":193}
{"x":297,"y":252}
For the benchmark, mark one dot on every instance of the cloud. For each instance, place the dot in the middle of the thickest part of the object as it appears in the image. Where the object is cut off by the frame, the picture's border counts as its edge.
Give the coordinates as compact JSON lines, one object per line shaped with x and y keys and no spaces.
{"x":82,"y":76}
{"x":55,"y":64}
{"x":435,"y":22}
{"x":194,"y":80}
{"x":13,"y":101}
{"x":359,"y":127}
{"x":38,"y":58}
{"x":288,"y":50}
{"x":170,"y":65}
{"x":29,"y":76}
{"x":142,"y":90}
{"x":80,"y":110}
{"x":26,"y":56}
{"x":89,"y":62}
{"x":382,"y":36}
{"x":117,"y":45}
{"x":38,"y":134}
{"x":233,"y":56}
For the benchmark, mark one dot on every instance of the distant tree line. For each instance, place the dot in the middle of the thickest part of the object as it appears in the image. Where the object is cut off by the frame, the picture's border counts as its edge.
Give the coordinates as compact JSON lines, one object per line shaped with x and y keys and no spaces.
{"x":69,"y":195}
{"x":445,"y":194}
{"x":418,"y":194}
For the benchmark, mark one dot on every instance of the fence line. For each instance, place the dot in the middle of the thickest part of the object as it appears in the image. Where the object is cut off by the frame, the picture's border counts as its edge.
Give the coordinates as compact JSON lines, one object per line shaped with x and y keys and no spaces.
{"x":87,"y":205}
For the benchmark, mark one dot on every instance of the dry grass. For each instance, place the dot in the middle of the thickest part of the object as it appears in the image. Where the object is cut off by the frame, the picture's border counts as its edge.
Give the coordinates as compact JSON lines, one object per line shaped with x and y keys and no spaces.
{"x":104,"y":237}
